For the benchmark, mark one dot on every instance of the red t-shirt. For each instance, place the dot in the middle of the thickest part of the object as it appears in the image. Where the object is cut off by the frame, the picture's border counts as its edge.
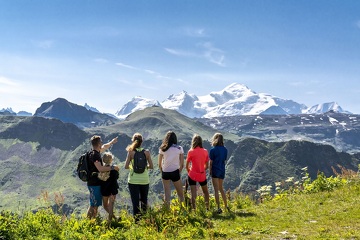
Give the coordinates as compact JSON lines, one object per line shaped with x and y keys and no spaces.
{"x":198,"y":157}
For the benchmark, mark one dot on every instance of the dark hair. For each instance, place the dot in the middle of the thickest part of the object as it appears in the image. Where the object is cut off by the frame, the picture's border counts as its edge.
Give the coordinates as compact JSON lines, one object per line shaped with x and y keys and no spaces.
{"x":196,"y":142}
{"x":169,"y":140}
{"x":136,"y":142}
{"x":95,"y":140}
{"x":217,"y":140}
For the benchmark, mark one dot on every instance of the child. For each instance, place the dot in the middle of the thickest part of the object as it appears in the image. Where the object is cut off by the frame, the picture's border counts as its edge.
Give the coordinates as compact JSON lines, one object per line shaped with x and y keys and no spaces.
{"x":218,"y":156}
{"x":197,"y":162}
{"x":109,"y":186}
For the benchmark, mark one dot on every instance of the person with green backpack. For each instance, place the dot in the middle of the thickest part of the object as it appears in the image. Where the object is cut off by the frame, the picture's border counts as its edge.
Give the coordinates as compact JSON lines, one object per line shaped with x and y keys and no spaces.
{"x":138,"y":161}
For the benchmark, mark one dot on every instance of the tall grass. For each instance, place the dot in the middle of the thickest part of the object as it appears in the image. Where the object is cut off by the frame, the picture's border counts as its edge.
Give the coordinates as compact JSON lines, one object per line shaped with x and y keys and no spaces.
{"x":325,"y":208}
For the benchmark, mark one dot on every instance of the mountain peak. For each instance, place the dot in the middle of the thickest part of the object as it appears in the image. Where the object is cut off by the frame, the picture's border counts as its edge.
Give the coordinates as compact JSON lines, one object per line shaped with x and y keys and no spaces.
{"x":69,"y":112}
{"x":135,"y":104}
{"x":325,"y":107}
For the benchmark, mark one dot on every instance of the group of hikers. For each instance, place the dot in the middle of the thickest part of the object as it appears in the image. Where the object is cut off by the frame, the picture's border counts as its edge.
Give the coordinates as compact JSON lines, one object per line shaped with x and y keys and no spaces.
{"x":103,"y":185}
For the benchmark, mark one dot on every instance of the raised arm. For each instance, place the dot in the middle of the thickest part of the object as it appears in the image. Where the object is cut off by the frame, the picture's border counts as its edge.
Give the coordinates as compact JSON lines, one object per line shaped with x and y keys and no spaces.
{"x":106,"y":146}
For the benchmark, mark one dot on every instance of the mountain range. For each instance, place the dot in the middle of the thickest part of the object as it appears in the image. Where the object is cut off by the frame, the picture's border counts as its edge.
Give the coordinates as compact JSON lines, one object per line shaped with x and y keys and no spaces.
{"x":234,"y":100}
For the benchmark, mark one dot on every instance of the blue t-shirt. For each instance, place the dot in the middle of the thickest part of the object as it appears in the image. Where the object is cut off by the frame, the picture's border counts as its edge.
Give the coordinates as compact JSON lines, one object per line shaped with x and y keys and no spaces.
{"x":218,"y":155}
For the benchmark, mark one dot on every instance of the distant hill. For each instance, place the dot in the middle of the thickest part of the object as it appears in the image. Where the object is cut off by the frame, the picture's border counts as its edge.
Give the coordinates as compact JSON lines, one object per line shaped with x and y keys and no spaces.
{"x":47,"y":132}
{"x":255,"y":162}
{"x":72,"y":113}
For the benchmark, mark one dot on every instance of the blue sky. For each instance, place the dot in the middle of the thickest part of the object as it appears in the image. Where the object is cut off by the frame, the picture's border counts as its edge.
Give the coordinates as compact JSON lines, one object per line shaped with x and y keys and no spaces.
{"x":104,"y":52}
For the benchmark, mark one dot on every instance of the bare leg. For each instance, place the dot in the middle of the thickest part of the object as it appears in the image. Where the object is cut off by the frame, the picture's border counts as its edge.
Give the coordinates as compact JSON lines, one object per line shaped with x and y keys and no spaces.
{"x":167,"y":192}
{"x":193,"y":196}
{"x":106,"y":203}
{"x":206,"y":195}
{"x":223,"y":195}
{"x":92,"y":212}
{"x":215,"y":182}
{"x":111,"y":207}
{"x":179,"y":190}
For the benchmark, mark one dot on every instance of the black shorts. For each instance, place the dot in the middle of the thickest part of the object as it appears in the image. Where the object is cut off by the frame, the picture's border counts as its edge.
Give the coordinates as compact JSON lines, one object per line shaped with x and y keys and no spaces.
{"x":173,"y":176}
{"x":192,"y":182}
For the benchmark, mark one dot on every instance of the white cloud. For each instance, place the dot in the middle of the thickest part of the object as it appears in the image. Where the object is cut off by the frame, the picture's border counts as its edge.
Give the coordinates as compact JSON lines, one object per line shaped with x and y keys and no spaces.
{"x":44,"y":44}
{"x":148,"y":71}
{"x":205,"y":50}
{"x":180,"y":53}
{"x":7,"y":81}
{"x":213,"y":54}
{"x":126,"y":66}
{"x":195,"y":32}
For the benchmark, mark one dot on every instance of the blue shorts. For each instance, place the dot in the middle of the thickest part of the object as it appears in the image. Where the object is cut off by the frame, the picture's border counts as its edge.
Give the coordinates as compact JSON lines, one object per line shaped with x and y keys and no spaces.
{"x":218,"y":174}
{"x":95,"y":196}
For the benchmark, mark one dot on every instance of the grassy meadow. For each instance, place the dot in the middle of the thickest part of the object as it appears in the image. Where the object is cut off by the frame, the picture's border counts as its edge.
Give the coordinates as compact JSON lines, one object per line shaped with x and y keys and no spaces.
{"x":325,"y":208}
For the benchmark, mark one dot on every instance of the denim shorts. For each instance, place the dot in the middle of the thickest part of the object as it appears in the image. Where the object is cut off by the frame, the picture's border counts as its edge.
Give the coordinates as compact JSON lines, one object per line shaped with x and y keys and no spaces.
{"x":95,"y":196}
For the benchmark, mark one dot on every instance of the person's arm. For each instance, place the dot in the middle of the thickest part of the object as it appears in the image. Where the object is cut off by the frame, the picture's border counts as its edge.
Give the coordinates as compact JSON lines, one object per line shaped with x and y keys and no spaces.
{"x":106,"y":146}
{"x":160,"y":161}
{"x":102,"y":168}
{"x":128,"y":159}
{"x":181,"y":158}
{"x":206,"y":165}
{"x":148,"y":158}
{"x":210,"y":167}
{"x":187,"y":163}
{"x":207,"y":159}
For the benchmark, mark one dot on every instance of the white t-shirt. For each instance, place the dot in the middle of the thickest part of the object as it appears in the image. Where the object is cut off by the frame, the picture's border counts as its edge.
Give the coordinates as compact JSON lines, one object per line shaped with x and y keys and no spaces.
{"x":171,"y":158}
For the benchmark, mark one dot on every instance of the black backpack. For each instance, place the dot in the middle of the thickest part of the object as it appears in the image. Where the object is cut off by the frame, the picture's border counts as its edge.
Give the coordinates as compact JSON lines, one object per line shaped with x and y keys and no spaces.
{"x":82,"y":168}
{"x":140,"y":162}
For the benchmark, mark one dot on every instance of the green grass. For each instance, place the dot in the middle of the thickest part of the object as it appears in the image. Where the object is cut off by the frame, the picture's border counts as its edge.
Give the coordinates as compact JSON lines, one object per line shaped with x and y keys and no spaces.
{"x":319,"y":213}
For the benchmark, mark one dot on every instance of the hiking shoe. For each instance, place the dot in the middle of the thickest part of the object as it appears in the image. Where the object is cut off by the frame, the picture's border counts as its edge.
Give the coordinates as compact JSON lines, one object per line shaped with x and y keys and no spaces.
{"x":219,"y":211}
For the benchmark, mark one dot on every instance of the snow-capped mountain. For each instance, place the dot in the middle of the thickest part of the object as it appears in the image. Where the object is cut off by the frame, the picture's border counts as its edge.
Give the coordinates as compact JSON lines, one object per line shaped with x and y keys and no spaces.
{"x":135,"y":104}
{"x":185,"y":104}
{"x":235,"y":99}
{"x":325,"y":107}
{"x":88,"y":107}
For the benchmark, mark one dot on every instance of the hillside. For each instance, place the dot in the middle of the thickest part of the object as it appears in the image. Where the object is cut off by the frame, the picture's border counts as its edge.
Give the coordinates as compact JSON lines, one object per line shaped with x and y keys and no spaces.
{"x":45,"y":151}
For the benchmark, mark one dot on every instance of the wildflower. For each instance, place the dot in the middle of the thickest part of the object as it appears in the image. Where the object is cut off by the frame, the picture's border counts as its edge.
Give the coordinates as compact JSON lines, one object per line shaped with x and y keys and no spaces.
{"x":289,"y":179}
{"x":277,"y":184}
